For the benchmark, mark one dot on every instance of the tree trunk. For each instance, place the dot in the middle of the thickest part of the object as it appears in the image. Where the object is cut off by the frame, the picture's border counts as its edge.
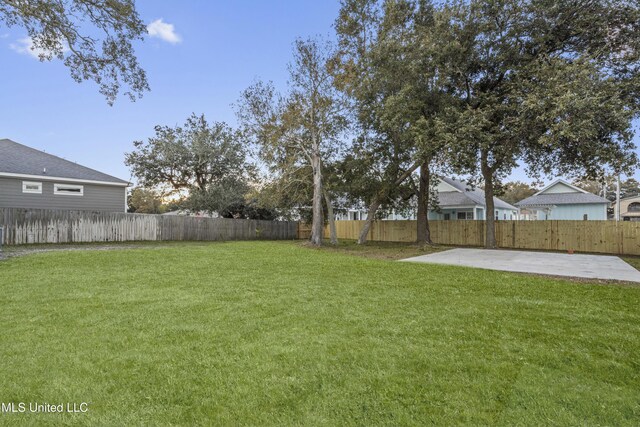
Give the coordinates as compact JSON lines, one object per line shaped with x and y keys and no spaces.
{"x":487,"y":174}
{"x":371,"y":214}
{"x":317,"y":224}
{"x":377,"y":201}
{"x":332,"y":220}
{"x":423,"y":232}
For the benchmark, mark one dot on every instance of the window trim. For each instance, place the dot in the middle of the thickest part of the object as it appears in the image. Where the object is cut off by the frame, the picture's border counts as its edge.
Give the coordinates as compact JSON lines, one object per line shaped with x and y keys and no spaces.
{"x":26,"y":183}
{"x":57,"y":192}
{"x":468,"y":215}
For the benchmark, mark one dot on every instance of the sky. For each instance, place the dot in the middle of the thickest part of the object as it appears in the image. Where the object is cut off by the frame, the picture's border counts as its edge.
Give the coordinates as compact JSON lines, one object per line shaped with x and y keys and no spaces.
{"x":198,"y":54}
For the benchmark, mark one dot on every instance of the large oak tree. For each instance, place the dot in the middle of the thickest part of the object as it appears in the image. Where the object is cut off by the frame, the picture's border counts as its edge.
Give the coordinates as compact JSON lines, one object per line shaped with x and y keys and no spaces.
{"x":555,"y":84}
{"x":200,"y":160}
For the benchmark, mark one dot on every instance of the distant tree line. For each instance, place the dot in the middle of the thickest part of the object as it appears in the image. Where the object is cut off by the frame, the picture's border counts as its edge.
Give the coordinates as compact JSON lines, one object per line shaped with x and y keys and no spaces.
{"x":411,"y":90}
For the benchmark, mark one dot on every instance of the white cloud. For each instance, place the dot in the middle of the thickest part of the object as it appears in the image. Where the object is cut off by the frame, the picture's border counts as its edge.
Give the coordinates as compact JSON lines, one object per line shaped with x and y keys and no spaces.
{"x":26,"y":46}
{"x":163,"y":31}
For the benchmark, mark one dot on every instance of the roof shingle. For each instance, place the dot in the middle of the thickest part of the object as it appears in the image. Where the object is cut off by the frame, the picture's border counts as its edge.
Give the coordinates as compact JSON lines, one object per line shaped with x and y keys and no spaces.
{"x":467,"y":196}
{"x":562,"y":199}
{"x":19,"y":159}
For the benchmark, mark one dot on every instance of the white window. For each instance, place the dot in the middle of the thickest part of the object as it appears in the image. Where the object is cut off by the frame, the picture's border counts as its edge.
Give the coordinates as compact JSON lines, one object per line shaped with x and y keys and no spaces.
{"x":31,"y":187}
{"x":465,"y":215}
{"x":68,"y":189}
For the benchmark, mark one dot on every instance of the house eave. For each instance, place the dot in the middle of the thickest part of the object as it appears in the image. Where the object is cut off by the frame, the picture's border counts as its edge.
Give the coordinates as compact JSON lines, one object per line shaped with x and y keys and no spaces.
{"x":561,"y":181}
{"x":537,"y":206}
{"x":525,"y":206}
{"x":459,"y":206}
{"x":63,"y":179}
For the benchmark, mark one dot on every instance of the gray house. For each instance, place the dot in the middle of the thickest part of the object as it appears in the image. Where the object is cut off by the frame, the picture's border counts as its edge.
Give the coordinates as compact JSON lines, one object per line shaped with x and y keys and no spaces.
{"x":31,"y":178}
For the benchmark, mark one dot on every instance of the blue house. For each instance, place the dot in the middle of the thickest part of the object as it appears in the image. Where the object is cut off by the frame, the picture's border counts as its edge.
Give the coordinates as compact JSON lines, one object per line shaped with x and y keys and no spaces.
{"x":563,"y":201}
{"x":457,"y":200}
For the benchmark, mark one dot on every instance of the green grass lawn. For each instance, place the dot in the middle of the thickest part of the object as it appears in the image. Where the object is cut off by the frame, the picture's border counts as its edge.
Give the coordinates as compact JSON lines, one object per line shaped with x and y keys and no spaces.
{"x":263,"y":333}
{"x":381,"y":250}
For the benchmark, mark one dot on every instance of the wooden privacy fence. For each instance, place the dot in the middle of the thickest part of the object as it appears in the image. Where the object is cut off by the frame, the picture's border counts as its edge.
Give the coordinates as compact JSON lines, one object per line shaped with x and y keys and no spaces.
{"x":304,"y":230}
{"x":581,"y":236}
{"x":24,"y":226}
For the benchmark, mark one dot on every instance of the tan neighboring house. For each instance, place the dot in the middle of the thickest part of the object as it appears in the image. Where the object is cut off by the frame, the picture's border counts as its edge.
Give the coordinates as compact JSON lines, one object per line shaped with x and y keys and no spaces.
{"x":629,"y":208}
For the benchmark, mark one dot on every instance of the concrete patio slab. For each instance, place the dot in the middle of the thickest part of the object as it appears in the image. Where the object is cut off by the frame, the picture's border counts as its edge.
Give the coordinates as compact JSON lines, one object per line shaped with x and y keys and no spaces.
{"x":585,"y":266}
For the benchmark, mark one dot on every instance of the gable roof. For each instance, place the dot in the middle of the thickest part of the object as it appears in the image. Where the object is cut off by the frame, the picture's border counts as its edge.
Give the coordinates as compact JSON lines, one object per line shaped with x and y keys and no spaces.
{"x":465,"y":196}
{"x":20,"y":161}
{"x":561,"y":182}
{"x":577,"y":197}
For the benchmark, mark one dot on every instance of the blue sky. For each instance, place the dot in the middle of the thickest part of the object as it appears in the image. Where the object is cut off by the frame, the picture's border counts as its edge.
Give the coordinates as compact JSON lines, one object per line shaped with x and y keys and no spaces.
{"x":224,"y":47}
{"x":214,"y":51}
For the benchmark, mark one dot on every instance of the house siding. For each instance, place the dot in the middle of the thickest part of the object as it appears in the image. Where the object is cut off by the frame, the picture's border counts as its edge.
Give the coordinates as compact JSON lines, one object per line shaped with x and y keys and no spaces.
{"x":452,"y":212}
{"x":577,"y":212}
{"x":511,"y":214}
{"x":437,"y":215}
{"x":560,"y":188}
{"x":433,"y":215}
{"x":105,"y":198}
{"x":625,"y":204}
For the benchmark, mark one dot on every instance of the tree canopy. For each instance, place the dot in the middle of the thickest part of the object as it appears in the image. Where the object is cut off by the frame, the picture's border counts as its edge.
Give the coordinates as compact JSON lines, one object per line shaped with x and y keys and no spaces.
{"x":94,"y":39}
{"x":297,"y":133}
{"x":203,"y":161}
{"x":553,"y":84}
{"x":146,"y":201}
{"x":606,"y":187}
{"x":385,"y":67}
{"x":515,"y":191}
